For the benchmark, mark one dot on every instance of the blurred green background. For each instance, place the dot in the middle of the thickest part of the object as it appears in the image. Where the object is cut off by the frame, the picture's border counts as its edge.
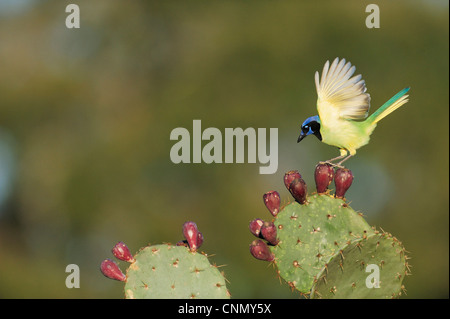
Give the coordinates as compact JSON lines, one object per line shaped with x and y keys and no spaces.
{"x":86,"y":114}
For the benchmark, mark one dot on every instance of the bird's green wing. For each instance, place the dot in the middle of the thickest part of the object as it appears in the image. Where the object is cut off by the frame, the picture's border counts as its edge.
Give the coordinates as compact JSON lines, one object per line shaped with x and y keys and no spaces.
{"x":339,"y":94}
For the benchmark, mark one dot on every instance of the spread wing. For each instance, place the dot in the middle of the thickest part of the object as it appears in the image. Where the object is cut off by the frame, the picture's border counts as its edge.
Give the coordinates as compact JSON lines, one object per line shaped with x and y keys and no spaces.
{"x":340,"y":94}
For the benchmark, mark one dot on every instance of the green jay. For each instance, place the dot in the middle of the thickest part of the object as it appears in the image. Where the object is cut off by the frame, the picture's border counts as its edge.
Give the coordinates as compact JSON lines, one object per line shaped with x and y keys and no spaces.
{"x":343,"y":106}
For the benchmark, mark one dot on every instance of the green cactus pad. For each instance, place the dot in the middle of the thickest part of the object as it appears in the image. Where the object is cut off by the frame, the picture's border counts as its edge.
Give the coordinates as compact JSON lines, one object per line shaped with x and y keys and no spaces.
{"x":325,"y":249}
{"x":379,"y":259}
{"x":311,"y":235}
{"x":168,"y":271}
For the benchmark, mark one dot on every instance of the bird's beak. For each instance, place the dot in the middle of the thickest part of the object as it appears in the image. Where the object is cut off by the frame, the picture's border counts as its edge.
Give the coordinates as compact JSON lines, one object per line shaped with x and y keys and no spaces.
{"x":301,"y":137}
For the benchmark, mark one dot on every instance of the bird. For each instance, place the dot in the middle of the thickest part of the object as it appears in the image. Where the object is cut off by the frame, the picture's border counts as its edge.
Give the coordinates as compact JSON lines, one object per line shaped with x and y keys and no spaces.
{"x":343,"y":107}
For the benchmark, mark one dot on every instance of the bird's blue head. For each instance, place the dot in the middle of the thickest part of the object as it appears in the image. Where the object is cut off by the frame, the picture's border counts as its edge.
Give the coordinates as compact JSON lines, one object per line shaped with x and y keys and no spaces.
{"x":310,"y":126}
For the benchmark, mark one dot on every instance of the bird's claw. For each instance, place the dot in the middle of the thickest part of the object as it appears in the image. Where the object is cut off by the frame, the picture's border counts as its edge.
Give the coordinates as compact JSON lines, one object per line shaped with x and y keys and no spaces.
{"x":332,"y":164}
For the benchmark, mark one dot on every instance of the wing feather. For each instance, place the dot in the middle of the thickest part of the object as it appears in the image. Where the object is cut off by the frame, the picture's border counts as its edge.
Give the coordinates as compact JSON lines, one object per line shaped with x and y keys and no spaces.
{"x":344,"y":93}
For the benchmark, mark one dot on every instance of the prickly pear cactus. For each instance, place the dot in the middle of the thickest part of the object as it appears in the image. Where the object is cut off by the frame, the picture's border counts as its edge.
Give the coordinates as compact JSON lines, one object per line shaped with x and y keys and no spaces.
{"x":168,"y":271}
{"x":323,"y":248}
{"x":348,"y":275}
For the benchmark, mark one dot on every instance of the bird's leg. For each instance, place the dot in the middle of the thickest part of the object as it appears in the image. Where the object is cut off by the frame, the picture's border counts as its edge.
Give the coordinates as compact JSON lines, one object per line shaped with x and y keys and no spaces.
{"x":340,"y":163}
{"x":334,"y":159}
{"x":344,"y":155}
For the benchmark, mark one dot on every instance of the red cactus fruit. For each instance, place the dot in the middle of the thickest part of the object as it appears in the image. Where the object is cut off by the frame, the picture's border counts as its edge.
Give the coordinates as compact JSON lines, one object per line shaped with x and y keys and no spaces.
{"x":290,"y":176}
{"x":343,"y":179}
{"x":298,"y":190}
{"x":110,"y":269}
{"x":191,"y":233}
{"x":272,"y":202}
{"x":323,"y":176}
{"x":269,"y":232}
{"x":121,"y":251}
{"x":255,"y":226}
{"x":261,"y":251}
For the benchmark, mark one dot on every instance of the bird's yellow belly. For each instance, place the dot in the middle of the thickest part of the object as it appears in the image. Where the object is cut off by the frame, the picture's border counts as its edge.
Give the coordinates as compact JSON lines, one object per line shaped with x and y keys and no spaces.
{"x":349,"y":135}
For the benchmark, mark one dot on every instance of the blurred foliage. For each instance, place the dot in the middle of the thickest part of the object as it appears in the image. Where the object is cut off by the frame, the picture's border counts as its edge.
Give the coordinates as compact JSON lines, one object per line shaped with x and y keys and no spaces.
{"x":86,"y":114}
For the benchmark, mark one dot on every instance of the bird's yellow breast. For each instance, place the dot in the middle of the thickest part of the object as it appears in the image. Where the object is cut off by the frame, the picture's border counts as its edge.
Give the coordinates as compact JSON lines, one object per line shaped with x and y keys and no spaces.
{"x":339,"y":132}
{"x":347,"y":134}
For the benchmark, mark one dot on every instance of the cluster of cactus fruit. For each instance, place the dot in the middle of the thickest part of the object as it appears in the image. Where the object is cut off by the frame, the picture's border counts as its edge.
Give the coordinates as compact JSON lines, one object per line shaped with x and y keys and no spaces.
{"x":168,"y":271}
{"x":322,"y":247}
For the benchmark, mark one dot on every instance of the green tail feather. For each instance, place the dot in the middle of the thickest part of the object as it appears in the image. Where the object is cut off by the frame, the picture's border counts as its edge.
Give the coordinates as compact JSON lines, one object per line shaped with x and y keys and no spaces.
{"x":394,"y":103}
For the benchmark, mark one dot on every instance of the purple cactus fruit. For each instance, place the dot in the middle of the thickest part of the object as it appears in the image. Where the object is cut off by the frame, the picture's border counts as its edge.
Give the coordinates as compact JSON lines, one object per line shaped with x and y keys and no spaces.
{"x":255,"y":226}
{"x":290,"y":176}
{"x":110,"y":269}
{"x":272,"y":202}
{"x":298,"y":190}
{"x":343,"y":179}
{"x":121,"y":251}
{"x":323,"y":176}
{"x":190,"y":232}
{"x":261,"y":251}
{"x":185,"y":242}
{"x":269,"y":232}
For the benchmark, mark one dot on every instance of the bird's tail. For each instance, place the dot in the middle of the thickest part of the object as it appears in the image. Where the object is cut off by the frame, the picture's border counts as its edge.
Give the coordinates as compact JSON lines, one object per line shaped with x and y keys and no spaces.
{"x":390,"y":106}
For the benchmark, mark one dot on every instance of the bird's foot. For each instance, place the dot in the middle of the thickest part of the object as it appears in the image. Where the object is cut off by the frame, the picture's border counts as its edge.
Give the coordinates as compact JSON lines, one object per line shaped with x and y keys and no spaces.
{"x":332,"y":164}
{"x":343,"y":158}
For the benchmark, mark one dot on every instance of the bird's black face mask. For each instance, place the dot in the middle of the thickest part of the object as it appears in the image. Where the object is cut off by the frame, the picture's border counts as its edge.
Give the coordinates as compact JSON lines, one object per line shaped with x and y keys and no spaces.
{"x":310,"y":126}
